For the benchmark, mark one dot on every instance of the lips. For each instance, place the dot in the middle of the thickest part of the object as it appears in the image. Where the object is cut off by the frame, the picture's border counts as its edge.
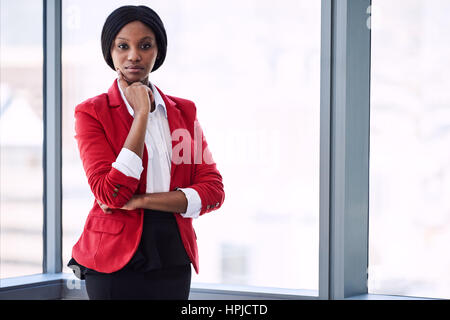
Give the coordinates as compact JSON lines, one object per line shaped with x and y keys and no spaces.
{"x":134,"y":69}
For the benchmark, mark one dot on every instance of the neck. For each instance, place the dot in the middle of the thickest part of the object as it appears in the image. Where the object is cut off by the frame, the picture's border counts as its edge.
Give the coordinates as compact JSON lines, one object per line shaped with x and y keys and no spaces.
{"x":146,"y":82}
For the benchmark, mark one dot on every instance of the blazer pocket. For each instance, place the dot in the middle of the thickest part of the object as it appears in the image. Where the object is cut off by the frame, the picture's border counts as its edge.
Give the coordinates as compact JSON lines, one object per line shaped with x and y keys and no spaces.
{"x":105,"y":225}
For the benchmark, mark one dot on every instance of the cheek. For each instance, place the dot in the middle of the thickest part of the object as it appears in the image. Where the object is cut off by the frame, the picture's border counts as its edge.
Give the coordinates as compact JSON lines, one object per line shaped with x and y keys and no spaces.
{"x":151,"y":58}
{"x":155,"y":58}
{"x":116,"y":56}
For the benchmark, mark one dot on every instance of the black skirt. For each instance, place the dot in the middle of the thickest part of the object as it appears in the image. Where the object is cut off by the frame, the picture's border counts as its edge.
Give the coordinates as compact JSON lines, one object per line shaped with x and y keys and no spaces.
{"x":160,"y":246}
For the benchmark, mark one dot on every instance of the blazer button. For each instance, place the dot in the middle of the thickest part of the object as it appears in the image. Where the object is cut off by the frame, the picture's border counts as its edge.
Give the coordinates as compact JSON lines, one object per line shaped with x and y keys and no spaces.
{"x":114,"y":195}
{"x":117,"y":186}
{"x":116,"y":190}
{"x":217,"y":204}
{"x":208,"y":207}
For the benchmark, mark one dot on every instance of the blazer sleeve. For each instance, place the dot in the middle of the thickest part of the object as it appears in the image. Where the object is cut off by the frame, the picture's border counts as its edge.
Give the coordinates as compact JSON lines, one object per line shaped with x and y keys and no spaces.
{"x":108,"y":184}
{"x":207,"y":180}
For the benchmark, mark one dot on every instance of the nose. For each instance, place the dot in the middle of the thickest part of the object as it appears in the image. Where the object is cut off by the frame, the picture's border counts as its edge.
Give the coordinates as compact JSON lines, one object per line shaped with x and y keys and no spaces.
{"x":133,"y":55}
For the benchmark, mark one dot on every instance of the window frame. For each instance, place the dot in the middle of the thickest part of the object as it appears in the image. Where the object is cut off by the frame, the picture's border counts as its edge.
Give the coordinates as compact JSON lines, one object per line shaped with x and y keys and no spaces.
{"x":344,"y":169}
{"x":52,"y":147}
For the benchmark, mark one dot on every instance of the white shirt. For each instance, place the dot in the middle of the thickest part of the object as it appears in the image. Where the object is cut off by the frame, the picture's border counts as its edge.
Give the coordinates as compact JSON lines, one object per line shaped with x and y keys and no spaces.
{"x":158,"y":141}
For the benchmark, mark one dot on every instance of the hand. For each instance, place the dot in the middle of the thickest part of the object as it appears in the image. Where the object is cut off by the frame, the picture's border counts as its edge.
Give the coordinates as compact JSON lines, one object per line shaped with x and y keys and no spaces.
{"x":104,"y":207}
{"x":134,"y":203}
{"x":139,"y":96}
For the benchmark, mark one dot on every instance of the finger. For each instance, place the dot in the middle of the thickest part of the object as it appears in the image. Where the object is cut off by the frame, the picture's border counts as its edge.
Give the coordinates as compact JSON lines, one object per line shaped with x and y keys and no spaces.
{"x":106,"y":209}
{"x":122,"y":82}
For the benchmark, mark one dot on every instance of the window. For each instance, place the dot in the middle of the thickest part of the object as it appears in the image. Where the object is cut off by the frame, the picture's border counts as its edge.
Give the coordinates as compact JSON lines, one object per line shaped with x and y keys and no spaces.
{"x":253,"y":71}
{"x":410,"y":157}
{"x":258,"y":100}
{"x":21,"y":138}
{"x":258,"y":97}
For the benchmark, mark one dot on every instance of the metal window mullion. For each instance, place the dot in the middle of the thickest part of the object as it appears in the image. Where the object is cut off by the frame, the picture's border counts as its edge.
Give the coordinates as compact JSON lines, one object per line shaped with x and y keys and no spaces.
{"x":52,"y":228}
{"x":349,"y":176}
{"x":325,"y":130}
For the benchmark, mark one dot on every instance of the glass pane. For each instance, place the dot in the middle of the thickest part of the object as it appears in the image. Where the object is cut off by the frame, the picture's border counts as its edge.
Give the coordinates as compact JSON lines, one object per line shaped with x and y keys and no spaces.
{"x":21,"y":138}
{"x":410,"y":154}
{"x":253,"y":70}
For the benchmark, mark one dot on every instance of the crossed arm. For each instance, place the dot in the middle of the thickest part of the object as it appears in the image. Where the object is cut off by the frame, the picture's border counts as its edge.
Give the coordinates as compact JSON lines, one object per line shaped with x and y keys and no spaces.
{"x":172,"y":201}
{"x":105,"y":180}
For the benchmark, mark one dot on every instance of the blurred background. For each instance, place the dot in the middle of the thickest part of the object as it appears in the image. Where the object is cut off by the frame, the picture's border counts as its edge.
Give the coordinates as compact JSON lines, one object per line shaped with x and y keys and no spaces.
{"x":409,"y":212}
{"x":253,"y":70}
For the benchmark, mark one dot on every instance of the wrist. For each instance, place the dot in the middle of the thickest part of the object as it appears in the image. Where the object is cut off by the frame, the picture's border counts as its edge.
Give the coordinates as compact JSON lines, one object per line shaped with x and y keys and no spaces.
{"x":142,"y":200}
{"x":141,"y":115}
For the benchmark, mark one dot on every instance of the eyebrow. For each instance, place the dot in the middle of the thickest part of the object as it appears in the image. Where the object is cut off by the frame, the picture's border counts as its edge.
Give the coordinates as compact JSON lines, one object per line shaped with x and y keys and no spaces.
{"x":147,"y":37}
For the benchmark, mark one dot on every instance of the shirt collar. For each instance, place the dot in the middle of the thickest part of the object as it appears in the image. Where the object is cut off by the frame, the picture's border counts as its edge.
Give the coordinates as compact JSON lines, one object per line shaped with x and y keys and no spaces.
{"x":159,"y":102}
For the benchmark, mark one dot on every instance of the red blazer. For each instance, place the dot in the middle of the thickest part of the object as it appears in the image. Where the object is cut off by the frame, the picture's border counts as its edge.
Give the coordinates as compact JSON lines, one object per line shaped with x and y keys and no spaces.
{"x":102,"y":125}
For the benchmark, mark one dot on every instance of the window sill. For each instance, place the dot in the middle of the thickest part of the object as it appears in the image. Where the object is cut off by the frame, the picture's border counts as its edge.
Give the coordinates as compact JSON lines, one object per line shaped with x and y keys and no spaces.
{"x":32,"y":287}
{"x":66,"y":286}
{"x":207,"y":291}
{"x":371,"y":296}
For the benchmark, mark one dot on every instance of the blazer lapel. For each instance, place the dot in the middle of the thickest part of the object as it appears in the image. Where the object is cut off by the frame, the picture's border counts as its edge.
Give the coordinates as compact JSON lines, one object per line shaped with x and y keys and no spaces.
{"x":175,"y":121}
{"x":116,"y":101}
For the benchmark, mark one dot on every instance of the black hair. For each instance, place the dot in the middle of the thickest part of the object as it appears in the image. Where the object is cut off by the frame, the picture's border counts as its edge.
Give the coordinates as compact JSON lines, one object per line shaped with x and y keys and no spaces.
{"x":126,"y":14}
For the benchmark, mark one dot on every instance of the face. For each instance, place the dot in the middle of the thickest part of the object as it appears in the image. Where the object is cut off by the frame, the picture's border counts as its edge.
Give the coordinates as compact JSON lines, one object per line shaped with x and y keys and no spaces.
{"x":134,"y":51}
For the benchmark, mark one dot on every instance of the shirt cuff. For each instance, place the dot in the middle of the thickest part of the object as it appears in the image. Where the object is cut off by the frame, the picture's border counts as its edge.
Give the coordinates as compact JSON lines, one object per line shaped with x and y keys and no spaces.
{"x":194,"y":203}
{"x":129,"y":163}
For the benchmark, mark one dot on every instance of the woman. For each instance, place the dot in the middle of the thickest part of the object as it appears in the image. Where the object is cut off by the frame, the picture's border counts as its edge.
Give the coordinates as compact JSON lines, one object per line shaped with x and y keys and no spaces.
{"x":149,"y":168}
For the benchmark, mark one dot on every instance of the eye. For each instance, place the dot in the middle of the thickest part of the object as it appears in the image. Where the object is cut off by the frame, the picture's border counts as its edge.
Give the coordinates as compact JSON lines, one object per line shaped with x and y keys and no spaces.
{"x":147,"y":46}
{"x":122,"y":46}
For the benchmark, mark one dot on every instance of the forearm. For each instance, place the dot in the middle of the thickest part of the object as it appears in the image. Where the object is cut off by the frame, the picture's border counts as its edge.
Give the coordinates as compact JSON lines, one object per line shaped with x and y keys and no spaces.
{"x":172,"y":201}
{"x":136,"y":136}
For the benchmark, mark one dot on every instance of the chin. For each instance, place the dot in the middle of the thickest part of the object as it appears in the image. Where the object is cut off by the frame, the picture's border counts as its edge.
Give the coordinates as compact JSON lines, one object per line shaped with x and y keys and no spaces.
{"x":134,"y":78}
